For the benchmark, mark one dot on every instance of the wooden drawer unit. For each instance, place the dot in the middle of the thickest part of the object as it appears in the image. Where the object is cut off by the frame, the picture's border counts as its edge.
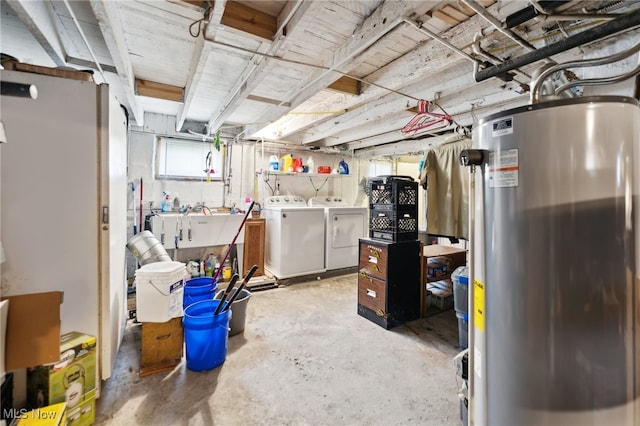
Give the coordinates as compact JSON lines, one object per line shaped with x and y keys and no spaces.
{"x":161,"y":346}
{"x":372,"y":293}
{"x":389,"y":281}
{"x":373,"y":260}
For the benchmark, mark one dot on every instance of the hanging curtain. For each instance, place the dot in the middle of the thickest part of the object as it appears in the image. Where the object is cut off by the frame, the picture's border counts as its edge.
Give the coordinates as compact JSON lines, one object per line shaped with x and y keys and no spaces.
{"x":446,"y":182}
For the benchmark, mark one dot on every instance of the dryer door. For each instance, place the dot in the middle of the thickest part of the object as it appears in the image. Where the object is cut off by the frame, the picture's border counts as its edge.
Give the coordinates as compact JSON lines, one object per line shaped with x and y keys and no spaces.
{"x":345,"y":229}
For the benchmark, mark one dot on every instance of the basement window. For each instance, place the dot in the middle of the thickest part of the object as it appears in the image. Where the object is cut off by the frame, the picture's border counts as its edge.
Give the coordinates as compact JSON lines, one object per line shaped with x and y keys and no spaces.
{"x":183,"y":159}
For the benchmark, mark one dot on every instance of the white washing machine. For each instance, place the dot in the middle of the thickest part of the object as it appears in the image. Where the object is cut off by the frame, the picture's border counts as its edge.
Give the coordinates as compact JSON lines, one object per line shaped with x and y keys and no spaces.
{"x":344,"y":226}
{"x":294,"y":237}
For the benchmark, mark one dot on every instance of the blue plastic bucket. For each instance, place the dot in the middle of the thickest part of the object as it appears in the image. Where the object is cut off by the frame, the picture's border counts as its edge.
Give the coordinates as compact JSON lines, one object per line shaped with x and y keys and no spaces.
{"x":205,"y":335}
{"x":198,"y":289}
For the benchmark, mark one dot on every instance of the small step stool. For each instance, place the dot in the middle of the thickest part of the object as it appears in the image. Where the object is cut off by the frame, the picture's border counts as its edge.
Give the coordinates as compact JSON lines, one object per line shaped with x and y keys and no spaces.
{"x":161,"y":346}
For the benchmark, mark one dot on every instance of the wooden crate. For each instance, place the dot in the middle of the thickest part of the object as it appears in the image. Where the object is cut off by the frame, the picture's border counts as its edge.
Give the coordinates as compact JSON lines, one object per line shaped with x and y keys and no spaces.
{"x":162,"y":346}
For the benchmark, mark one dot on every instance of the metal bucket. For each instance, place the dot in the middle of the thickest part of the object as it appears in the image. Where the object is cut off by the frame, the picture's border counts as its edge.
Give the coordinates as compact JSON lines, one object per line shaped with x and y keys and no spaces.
{"x":147,"y":249}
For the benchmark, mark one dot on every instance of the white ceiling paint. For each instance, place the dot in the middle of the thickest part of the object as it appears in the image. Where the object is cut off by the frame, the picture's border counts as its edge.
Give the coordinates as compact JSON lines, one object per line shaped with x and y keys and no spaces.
{"x":224,"y":75}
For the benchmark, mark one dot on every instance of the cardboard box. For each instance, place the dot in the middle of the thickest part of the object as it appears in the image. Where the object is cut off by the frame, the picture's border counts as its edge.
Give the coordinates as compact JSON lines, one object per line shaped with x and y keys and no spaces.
{"x":437,"y":266}
{"x":441,"y":299}
{"x":30,"y":342}
{"x":70,"y":378}
{"x":83,"y":414}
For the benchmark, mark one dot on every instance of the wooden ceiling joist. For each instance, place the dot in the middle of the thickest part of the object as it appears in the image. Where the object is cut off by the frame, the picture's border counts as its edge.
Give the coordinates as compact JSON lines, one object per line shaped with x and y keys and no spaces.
{"x":438,"y":14}
{"x":455,"y":13}
{"x":197,"y":3}
{"x":159,"y":90}
{"x":347,"y":85}
{"x":268,"y":101}
{"x":248,"y":20}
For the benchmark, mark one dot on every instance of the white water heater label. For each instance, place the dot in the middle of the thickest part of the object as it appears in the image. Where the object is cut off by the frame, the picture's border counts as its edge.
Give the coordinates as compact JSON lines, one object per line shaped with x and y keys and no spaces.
{"x":502,"y":127}
{"x":503,"y":169}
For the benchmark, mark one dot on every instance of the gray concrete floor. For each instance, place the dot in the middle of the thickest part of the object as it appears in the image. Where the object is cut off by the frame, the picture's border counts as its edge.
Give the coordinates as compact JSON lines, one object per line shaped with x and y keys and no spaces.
{"x":305,"y":358}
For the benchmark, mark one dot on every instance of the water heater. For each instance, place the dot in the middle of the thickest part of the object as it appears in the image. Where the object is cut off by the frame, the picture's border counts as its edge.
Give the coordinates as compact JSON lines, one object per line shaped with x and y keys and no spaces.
{"x":555,"y":266}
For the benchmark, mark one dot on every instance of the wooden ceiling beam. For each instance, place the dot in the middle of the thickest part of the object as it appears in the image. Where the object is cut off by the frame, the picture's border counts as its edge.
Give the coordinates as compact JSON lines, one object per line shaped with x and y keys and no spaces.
{"x":248,"y":20}
{"x":268,"y":101}
{"x":438,"y":14}
{"x":254,"y":74}
{"x":455,"y":13}
{"x":197,"y":3}
{"x":347,"y":85}
{"x":159,"y":90}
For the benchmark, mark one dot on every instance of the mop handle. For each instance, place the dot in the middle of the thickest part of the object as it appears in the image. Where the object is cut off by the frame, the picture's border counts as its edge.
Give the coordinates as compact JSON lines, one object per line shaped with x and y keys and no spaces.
{"x":226,"y":293}
{"x":244,"y":282}
{"x":233,"y":242}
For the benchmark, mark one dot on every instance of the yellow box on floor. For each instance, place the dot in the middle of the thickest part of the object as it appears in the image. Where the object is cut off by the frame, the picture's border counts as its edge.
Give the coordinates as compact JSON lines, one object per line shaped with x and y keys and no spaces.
{"x":83,"y":414}
{"x":67,"y":380}
{"x":51,"y":415}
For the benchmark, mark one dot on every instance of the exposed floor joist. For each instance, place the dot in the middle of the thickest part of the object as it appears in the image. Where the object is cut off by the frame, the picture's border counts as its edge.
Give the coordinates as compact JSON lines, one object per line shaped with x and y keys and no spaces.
{"x":384,"y":19}
{"x":346,"y":85}
{"x":249,"y":20}
{"x":253,"y":74}
{"x":159,"y":90}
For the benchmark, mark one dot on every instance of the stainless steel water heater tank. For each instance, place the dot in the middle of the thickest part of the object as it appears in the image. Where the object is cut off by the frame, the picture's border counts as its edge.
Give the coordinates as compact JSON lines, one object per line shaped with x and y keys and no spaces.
{"x":556,"y":309}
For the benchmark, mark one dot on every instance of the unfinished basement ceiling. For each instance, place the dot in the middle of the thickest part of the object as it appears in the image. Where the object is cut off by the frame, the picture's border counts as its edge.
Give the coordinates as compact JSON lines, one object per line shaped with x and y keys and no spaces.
{"x":312,"y":73}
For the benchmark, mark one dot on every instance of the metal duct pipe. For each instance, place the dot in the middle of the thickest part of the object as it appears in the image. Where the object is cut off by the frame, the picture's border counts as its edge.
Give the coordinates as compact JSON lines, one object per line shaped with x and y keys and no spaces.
{"x":498,"y":25}
{"x":580,"y":17}
{"x":477,"y":49}
{"x":625,"y":22}
{"x":530,"y":12}
{"x":537,"y":84}
{"x":440,"y":40}
{"x":599,"y":81}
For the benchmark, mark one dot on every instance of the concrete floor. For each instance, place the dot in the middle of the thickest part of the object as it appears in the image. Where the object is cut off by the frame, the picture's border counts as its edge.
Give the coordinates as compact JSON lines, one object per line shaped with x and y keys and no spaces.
{"x":304,"y":358}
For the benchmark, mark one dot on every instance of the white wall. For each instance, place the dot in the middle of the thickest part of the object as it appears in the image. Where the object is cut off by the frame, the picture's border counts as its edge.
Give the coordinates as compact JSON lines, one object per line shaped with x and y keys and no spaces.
{"x":249,"y":164}
{"x":248,"y":177}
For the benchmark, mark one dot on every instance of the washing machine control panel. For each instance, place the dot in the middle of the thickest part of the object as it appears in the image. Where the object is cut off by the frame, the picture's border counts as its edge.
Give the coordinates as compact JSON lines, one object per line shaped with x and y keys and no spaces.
{"x":326,"y":201}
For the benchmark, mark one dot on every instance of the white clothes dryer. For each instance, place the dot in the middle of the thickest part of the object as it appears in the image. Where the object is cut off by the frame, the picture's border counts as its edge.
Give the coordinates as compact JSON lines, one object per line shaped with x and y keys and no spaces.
{"x":344,"y":226}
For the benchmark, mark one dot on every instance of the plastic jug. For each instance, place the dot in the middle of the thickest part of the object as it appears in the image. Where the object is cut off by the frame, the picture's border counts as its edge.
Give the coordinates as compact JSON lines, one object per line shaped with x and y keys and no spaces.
{"x":167,"y":204}
{"x":310,"y":165}
{"x":343,"y":168}
{"x":209,"y":265}
{"x":274,"y":164}
{"x":297,"y":165}
{"x":287,"y":163}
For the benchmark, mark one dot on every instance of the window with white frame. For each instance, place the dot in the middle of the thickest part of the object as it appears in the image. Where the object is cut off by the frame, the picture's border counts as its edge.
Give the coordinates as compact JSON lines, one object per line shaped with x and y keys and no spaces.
{"x":183,"y":159}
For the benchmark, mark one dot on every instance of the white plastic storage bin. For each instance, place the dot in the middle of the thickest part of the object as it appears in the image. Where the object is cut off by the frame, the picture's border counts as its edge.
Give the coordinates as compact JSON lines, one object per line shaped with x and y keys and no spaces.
{"x":460,"y":278}
{"x":159,"y":291}
{"x":463,"y":330}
